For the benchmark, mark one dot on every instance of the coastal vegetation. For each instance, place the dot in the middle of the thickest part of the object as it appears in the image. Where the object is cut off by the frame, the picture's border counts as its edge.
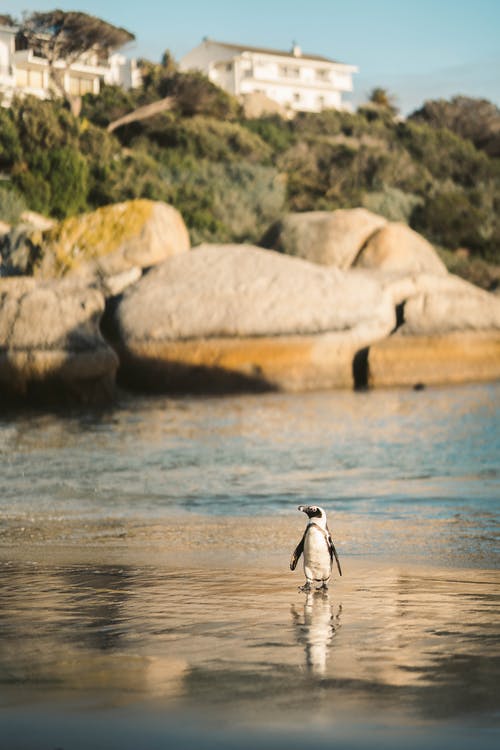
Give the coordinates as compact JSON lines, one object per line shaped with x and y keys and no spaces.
{"x":231,"y":177}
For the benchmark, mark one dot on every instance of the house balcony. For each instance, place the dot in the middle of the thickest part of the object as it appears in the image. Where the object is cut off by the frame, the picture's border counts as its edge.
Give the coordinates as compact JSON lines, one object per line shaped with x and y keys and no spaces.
{"x":26,"y":58}
{"x":312,"y":78}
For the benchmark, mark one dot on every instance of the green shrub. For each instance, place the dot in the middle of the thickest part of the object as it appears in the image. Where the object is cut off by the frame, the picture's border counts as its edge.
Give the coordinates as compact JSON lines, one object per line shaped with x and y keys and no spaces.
{"x":34,"y":189}
{"x":195,"y":94}
{"x":101,"y":152}
{"x":10,"y":146}
{"x":12,"y":204}
{"x":129,"y":175}
{"x":206,"y":138}
{"x":273,"y":130}
{"x":43,"y":124}
{"x":68,"y":181}
{"x":394,"y":204}
{"x":111,"y":103}
{"x":477,"y":120}
{"x":452,"y":218}
{"x":445,"y":155}
{"x":224,"y":202}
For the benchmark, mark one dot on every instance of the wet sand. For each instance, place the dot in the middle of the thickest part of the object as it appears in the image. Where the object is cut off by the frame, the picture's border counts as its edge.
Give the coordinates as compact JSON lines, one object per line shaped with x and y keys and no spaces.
{"x":191,"y":632}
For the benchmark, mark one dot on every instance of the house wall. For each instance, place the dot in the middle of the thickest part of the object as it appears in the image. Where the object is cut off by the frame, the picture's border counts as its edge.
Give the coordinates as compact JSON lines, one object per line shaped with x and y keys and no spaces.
{"x":205,"y":55}
{"x":295,"y":82}
{"x":122,"y":71}
{"x":5,"y":52}
{"x":24,"y":72}
{"x":6,"y":72}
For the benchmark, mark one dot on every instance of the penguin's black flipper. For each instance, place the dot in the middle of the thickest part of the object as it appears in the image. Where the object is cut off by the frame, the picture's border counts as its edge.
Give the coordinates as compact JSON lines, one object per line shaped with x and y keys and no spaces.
{"x":297,"y":553}
{"x":333,"y":551}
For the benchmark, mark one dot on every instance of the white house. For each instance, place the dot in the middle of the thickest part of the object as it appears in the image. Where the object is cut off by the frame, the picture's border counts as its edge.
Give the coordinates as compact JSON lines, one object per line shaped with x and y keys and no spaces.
{"x":23,"y":70}
{"x":298,"y":82}
{"x":7,"y":48}
{"x":122,"y":71}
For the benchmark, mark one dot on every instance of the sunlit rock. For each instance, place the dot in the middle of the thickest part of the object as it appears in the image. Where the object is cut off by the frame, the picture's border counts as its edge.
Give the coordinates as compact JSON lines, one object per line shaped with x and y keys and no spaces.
{"x":449,"y":332}
{"x":330,"y":238}
{"x":237,"y":316}
{"x":100,"y":244}
{"x":397,"y":248}
{"x":417,"y":361}
{"x":50,"y":344}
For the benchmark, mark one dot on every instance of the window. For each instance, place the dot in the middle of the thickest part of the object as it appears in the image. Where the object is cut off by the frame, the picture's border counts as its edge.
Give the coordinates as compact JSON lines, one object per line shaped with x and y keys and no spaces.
{"x":323,"y":74}
{"x":29,"y":79}
{"x":289,"y":71}
{"x":80,"y":86}
{"x":21,"y":43}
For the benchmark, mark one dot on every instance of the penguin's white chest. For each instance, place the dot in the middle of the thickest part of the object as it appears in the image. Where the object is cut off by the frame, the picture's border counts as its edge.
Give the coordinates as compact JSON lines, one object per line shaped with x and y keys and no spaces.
{"x":317,"y":561}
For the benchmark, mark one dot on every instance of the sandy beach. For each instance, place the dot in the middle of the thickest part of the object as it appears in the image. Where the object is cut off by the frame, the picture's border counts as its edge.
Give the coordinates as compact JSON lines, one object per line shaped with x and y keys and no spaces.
{"x":145,"y":592}
{"x":195,"y":631}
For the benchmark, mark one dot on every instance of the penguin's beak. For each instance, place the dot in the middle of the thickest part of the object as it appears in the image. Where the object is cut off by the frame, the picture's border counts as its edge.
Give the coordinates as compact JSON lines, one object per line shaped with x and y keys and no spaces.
{"x":303,"y":508}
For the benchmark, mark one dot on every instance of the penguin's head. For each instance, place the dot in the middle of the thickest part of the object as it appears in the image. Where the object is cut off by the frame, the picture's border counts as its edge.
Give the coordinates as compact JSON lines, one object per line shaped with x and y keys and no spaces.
{"x":312,"y":511}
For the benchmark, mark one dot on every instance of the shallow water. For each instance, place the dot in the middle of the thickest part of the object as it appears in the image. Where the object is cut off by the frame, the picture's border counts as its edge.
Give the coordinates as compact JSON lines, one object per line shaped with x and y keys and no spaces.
{"x":144,"y":582}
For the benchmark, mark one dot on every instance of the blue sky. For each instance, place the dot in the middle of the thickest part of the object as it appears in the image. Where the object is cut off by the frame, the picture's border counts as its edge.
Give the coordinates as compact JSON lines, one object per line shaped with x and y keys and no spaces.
{"x":417,"y":49}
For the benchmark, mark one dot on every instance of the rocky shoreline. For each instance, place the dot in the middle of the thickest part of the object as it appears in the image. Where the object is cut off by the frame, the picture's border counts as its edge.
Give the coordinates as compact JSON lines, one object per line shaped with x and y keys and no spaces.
{"x":341,"y":299}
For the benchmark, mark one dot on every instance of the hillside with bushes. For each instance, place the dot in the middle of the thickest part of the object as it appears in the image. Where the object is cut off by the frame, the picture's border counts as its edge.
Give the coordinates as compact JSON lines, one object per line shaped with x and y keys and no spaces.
{"x":231,"y":177}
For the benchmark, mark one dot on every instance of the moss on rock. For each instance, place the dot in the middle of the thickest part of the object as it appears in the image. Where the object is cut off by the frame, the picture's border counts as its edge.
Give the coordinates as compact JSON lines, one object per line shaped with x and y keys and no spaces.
{"x":90,"y":236}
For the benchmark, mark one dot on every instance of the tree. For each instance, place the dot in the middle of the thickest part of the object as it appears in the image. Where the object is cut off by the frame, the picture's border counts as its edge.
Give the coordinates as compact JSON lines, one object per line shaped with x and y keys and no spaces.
{"x":381,"y":98}
{"x":195,"y":94}
{"x":168,"y":63}
{"x":66,"y":36}
{"x":477,"y":120}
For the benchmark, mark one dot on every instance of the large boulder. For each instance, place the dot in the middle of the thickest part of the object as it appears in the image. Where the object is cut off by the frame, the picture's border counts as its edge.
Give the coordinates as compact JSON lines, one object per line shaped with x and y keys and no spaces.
{"x":239,"y":316}
{"x":100,"y":245}
{"x":50,"y":344}
{"x":448,"y":332}
{"x":434,"y":305}
{"x":330,"y":238}
{"x":395,"y":248}
{"x":442,"y":359}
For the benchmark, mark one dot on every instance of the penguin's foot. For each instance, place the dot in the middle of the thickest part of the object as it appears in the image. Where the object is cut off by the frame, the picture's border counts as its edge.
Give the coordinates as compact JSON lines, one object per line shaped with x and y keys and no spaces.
{"x":306,"y":586}
{"x":323,"y":587}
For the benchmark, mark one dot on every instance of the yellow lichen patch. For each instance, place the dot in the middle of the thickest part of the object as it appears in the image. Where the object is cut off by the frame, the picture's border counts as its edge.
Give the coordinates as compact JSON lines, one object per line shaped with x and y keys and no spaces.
{"x":84,"y":238}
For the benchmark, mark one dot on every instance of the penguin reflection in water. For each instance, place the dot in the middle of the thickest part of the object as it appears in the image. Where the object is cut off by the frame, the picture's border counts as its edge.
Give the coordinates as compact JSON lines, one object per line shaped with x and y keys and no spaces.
{"x":318,"y":549}
{"x":315,"y":629}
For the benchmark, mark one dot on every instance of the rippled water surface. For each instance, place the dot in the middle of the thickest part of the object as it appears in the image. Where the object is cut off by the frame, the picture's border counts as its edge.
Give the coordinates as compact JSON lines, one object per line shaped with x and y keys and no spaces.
{"x":145,"y":595}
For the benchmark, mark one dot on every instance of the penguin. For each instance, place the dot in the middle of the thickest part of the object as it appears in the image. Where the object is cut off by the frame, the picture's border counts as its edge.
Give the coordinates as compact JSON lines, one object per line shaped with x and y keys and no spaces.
{"x":318,"y":548}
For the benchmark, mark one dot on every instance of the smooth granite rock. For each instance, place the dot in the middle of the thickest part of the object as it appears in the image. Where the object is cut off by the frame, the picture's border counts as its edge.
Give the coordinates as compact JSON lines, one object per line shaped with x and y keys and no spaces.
{"x":436,"y":305}
{"x":395,"y":248}
{"x":442,"y":359}
{"x":50,"y":344}
{"x":239,"y":316}
{"x":104,"y":243}
{"x":448,"y":332}
{"x":330,"y":238}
